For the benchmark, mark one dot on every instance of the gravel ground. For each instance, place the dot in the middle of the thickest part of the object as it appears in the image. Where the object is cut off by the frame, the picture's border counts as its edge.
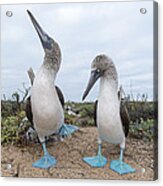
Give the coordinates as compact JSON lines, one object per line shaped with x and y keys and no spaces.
{"x":16,"y":161}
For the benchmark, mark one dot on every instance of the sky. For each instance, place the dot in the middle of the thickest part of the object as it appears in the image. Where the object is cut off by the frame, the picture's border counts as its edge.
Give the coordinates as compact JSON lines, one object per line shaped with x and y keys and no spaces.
{"x":82,"y":30}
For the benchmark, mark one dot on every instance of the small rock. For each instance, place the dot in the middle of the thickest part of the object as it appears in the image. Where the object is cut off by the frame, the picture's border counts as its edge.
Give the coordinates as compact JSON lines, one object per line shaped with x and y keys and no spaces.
{"x":143,"y":170}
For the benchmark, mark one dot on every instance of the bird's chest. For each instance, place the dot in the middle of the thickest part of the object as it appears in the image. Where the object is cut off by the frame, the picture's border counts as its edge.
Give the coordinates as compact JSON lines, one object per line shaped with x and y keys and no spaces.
{"x":108,"y":118}
{"x":47,"y":110}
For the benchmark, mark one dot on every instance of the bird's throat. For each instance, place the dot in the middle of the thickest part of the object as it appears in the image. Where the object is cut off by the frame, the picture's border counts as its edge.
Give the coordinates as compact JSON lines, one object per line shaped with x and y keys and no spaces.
{"x":108,"y":88}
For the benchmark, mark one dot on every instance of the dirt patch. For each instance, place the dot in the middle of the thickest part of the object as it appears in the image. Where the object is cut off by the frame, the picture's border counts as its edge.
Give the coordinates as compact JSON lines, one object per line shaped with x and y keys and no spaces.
{"x":17,"y":161}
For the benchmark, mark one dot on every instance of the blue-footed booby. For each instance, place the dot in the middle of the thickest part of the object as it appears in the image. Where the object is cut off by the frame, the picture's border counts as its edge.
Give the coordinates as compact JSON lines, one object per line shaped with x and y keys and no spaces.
{"x":28,"y":108}
{"x":110,"y":114}
{"x":45,"y":104}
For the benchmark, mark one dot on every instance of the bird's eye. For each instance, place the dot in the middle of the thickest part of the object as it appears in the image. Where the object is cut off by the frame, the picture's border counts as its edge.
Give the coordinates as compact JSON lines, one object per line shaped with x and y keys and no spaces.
{"x":98,"y":70}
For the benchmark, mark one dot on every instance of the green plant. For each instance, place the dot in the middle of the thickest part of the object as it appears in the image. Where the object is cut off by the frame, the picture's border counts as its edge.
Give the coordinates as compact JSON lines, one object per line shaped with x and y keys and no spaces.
{"x":143,"y":130}
{"x":11,"y":131}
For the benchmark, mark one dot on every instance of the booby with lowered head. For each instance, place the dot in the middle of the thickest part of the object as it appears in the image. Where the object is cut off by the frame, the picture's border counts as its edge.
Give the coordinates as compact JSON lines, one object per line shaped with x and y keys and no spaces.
{"x":46,"y":108}
{"x":108,"y":115}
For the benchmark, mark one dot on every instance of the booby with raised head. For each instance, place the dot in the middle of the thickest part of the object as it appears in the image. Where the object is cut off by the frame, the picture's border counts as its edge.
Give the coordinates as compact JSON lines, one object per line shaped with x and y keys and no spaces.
{"x":28,"y":106}
{"x":46,"y":109}
{"x":109,"y":112}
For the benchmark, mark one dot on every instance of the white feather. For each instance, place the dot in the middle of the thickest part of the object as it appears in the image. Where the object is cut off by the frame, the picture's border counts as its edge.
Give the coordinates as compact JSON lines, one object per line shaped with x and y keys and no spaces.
{"x":108,"y":113}
{"x":47,"y":111}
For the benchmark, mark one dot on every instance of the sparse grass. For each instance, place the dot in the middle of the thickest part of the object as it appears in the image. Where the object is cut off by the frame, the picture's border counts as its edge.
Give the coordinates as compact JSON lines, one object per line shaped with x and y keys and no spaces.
{"x":143,"y":130}
{"x":142,"y":119}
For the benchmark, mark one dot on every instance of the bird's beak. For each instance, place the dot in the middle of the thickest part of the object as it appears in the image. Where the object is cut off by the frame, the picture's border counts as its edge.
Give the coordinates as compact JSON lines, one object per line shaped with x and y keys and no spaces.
{"x":45,"y":39}
{"x":93,"y":78}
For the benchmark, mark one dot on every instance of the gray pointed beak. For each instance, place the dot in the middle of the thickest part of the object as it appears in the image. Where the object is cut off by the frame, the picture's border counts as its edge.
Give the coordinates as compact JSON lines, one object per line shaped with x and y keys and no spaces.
{"x":45,"y":39}
{"x":92,"y":80}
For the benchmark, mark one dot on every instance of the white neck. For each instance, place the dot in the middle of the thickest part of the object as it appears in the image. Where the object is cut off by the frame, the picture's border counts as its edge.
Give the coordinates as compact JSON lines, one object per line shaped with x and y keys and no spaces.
{"x":46,"y":75}
{"x":108,"y":88}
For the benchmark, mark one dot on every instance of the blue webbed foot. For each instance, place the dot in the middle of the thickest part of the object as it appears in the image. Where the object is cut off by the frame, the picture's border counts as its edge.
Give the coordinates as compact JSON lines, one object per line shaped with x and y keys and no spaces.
{"x":120,"y":166}
{"x":67,"y":129}
{"x":96,"y":161}
{"x":45,"y":162}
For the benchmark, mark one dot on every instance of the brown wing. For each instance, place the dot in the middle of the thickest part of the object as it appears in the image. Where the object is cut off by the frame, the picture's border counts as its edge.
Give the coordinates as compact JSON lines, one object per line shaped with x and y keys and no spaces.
{"x":95,"y":113}
{"x":125,"y":118}
{"x":28,"y":110}
{"x":60,"y":95}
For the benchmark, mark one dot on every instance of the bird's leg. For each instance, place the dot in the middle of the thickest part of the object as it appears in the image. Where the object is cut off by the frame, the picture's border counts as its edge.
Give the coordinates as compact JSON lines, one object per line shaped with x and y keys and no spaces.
{"x":44,"y":149}
{"x":96,"y":161}
{"x":99,"y":150}
{"x":120,"y":166}
{"x":121,"y":155}
{"x":46,"y":161}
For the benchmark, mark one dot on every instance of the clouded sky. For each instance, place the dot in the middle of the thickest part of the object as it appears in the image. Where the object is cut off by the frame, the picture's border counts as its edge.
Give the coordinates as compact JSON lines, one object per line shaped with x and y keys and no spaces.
{"x":83,"y":30}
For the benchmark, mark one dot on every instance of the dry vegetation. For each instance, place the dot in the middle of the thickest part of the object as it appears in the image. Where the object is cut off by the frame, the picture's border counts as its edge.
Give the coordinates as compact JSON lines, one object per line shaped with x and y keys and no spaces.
{"x":19,"y":150}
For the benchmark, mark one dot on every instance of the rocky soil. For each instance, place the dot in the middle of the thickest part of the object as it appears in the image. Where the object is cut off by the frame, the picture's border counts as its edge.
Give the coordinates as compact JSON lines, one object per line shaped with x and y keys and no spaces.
{"x":16,"y":161}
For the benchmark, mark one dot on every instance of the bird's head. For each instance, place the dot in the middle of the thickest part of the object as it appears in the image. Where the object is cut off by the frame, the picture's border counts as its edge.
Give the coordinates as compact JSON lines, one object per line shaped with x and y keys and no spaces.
{"x":102,"y":66}
{"x":51,"y":48}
